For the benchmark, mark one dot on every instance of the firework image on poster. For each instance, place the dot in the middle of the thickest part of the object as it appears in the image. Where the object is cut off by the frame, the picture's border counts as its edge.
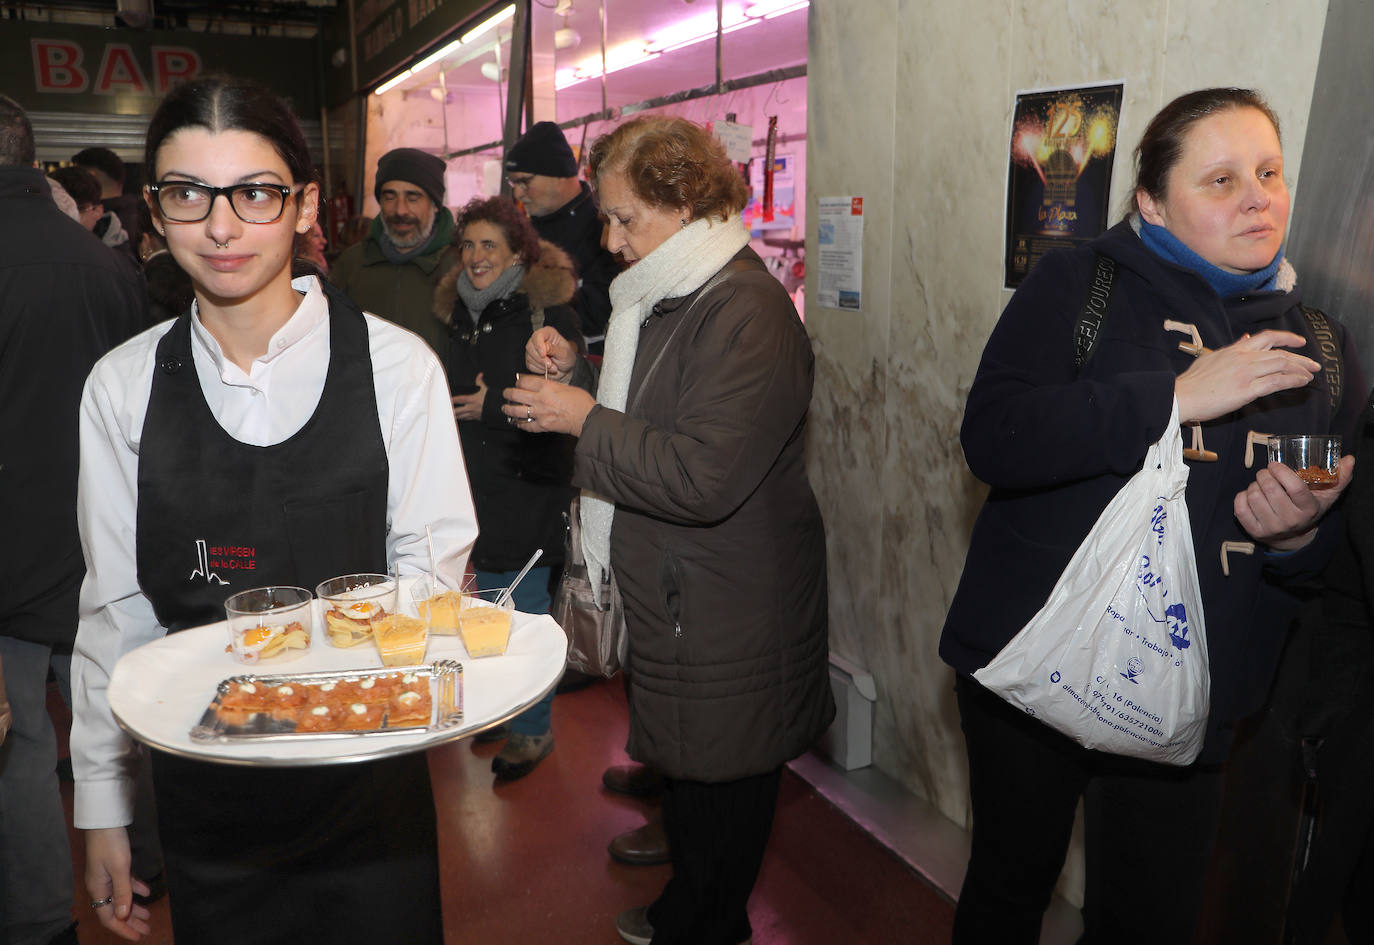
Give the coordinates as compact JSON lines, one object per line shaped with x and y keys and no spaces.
{"x":1059,"y":176}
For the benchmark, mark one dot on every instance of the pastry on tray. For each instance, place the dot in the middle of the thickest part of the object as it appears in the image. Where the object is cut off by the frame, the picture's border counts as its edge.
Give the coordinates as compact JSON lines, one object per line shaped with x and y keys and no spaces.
{"x":410,"y":707}
{"x":359,"y":717}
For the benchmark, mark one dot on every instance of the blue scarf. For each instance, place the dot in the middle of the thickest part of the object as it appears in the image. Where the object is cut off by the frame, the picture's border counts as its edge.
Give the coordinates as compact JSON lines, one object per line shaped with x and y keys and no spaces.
{"x":1170,"y":248}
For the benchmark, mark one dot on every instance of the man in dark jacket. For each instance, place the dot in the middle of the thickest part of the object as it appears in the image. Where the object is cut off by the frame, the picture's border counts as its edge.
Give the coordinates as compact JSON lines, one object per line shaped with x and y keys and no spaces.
{"x":393,"y":271}
{"x":542,"y":173}
{"x":64,"y":302}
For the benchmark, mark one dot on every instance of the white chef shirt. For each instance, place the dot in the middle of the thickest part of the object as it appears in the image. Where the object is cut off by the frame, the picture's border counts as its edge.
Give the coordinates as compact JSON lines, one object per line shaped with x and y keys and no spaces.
{"x":427,"y":486}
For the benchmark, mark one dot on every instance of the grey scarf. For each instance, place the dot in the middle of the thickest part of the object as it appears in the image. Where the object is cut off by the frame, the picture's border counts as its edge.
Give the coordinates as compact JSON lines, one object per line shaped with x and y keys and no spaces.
{"x":476,"y":300}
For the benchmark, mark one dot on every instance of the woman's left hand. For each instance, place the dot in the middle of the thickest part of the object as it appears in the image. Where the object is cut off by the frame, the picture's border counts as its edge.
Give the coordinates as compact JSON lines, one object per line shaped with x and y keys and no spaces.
{"x":537,"y":405}
{"x":1278,"y":509}
{"x":469,"y":406}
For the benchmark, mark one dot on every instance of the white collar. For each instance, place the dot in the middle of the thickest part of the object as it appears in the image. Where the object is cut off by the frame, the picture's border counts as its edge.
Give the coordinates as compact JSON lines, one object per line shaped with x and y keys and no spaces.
{"x":312,"y":312}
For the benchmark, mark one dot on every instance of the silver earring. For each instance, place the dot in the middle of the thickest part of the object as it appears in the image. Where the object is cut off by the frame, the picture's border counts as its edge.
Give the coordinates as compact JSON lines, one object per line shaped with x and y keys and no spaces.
{"x":683,"y":222}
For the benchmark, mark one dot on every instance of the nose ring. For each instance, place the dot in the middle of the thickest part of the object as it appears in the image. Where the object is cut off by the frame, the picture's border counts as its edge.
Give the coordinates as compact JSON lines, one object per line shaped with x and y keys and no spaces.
{"x":219,"y":245}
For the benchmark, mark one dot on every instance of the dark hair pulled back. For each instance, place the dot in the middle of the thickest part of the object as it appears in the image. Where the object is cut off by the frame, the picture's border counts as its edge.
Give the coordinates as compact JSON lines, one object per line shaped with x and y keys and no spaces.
{"x":227,"y":103}
{"x":1161,"y":145}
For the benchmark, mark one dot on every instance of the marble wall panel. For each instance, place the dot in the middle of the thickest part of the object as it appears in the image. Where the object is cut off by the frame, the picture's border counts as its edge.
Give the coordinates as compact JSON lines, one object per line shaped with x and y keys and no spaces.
{"x":949,"y":142}
{"x":850,"y":101}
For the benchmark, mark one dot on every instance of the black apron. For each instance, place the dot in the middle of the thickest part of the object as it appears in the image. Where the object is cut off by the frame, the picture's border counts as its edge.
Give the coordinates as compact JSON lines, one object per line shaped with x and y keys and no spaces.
{"x":337,"y":853}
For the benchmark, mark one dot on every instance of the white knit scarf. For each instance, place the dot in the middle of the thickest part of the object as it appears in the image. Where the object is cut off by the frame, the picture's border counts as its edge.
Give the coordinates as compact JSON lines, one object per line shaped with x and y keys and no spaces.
{"x":679,"y":266}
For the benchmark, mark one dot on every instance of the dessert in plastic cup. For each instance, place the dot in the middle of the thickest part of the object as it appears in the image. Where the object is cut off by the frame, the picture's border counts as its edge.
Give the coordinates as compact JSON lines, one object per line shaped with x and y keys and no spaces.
{"x":401,"y":640}
{"x":439,"y":605}
{"x":353,"y":603}
{"x":1313,"y":458}
{"x":269,"y":623}
{"x":484,"y":627}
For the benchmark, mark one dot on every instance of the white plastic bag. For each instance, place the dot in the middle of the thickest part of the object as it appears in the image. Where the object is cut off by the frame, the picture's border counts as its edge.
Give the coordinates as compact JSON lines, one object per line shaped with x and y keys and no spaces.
{"x":1117,"y":657}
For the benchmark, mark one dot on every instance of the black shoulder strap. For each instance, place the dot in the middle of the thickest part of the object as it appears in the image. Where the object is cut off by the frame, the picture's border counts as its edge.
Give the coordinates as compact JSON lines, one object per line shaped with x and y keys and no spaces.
{"x":1329,"y":347}
{"x":1095,"y":309}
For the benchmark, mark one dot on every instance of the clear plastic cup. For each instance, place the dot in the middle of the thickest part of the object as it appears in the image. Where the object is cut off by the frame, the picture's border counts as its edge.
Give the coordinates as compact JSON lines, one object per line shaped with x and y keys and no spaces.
{"x":353,"y":603}
{"x":439,"y":605}
{"x":1313,"y":458}
{"x":484,"y":627}
{"x":402,"y":640}
{"x":269,"y":623}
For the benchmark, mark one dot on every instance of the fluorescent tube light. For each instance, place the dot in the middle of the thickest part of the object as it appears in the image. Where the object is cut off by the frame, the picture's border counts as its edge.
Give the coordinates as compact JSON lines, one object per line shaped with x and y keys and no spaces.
{"x":489,"y":23}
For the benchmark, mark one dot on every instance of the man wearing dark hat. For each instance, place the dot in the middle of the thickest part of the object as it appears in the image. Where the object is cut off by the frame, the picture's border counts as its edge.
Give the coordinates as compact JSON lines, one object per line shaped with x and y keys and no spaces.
{"x":393,"y":270}
{"x":542,"y":173}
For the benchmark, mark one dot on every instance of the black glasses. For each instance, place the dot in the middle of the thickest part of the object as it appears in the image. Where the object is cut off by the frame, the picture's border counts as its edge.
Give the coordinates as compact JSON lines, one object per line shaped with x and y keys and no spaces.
{"x":184,"y":202}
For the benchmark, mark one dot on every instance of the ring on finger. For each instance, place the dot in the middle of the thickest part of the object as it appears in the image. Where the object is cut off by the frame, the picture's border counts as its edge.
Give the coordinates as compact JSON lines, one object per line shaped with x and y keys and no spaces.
{"x":101,"y":903}
{"x":529,"y":412}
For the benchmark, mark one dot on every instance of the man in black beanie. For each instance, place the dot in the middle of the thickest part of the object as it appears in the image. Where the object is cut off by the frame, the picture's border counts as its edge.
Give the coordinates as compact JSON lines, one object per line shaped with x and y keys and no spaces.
{"x":542,"y":173}
{"x":392,"y":271}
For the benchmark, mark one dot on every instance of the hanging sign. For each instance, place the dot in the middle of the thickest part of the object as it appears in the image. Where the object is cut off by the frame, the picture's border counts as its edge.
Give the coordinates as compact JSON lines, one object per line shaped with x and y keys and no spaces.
{"x":738,"y":140}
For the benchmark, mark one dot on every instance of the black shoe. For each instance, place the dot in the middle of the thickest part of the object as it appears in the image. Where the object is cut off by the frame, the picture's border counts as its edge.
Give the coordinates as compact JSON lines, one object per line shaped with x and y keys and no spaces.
{"x":643,"y":846}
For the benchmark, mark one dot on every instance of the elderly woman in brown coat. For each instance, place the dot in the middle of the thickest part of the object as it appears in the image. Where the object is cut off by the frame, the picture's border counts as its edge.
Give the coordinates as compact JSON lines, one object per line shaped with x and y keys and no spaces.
{"x":695,"y":493}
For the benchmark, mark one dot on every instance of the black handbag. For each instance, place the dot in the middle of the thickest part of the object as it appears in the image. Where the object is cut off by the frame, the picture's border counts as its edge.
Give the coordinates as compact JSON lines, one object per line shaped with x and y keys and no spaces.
{"x":597,"y":638}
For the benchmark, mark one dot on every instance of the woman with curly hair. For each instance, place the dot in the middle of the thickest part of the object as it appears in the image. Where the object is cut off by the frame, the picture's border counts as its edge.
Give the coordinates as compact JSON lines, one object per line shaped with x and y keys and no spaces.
{"x":509,"y":283}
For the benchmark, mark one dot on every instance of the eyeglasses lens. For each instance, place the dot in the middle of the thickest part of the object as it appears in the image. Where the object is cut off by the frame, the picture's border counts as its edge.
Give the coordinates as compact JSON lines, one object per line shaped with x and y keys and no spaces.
{"x":190,"y":203}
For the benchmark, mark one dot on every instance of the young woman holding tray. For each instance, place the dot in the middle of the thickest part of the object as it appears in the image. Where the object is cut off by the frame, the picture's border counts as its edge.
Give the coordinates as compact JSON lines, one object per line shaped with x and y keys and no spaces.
{"x":277,"y":419}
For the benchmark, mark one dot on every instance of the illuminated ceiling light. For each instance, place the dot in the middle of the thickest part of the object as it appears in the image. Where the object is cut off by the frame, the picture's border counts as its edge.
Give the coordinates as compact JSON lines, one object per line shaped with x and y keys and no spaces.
{"x":489,"y":23}
{"x":688,"y":32}
{"x":443,"y":52}
{"x":390,"y":84}
{"x":740,"y":25}
{"x":621,"y":57}
{"x":434,"y":57}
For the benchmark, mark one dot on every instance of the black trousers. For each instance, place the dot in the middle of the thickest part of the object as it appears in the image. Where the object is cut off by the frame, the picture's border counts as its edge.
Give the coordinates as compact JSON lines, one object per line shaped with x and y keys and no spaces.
{"x":717,"y":834}
{"x":1149,"y":832}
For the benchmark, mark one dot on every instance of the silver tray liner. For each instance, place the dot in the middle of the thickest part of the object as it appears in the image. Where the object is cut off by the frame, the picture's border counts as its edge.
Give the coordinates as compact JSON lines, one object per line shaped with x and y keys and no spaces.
{"x":445,"y":689}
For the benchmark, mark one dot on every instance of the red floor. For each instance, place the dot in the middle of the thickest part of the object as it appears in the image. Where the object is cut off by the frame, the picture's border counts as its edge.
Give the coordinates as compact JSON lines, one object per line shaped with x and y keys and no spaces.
{"x":526,"y":862}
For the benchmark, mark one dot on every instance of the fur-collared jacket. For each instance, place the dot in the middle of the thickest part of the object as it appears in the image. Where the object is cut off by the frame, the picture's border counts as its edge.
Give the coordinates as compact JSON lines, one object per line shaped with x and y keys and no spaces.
{"x":520,"y":481}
